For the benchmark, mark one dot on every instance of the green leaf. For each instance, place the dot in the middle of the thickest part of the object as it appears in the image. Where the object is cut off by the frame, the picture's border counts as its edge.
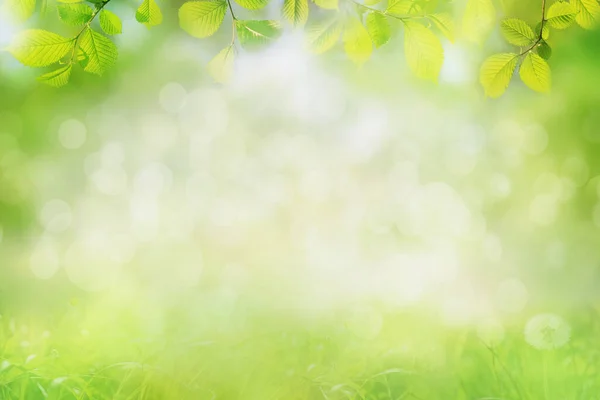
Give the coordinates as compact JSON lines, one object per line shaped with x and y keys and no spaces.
{"x":403,"y":7}
{"x":149,"y":14}
{"x":372,"y":2}
{"x":221,"y":66}
{"x":545,"y":31}
{"x":588,"y":13}
{"x":252,"y":4}
{"x":39,"y":48}
{"x":322,"y":36}
{"x":444,"y":22}
{"x":57,"y":78}
{"x":561,"y":15}
{"x":202,"y":18}
{"x":71,"y":1}
{"x":423,"y":50}
{"x":544,"y":50}
{"x":496,"y":73}
{"x":517,"y":32}
{"x":253,"y":34}
{"x":295,"y":11}
{"x":21,"y":10}
{"x":75,"y":14}
{"x":479,"y":20}
{"x":110,"y":23}
{"x":379,"y":28}
{"x":357,"y":42}
{"x":327,"y":4}
{"x":82,"y":57}
{"x":102,"y":53}
{"x":535,"y":73}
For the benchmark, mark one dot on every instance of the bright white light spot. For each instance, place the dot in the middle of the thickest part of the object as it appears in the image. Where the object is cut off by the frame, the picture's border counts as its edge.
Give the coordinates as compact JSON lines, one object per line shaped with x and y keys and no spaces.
{"x":72,"y":134}
{"x":500,"y":185}
{"x":492,"y":247}
{"x":172,"y":97}
{"x":153,"y":179}
{"x":44,"y":260}
{"x":110,"y":181}
{"x":543,"y":210}
{"x":511,"y":296}
{"x":56,"y":216}
{"x":112,"y":154}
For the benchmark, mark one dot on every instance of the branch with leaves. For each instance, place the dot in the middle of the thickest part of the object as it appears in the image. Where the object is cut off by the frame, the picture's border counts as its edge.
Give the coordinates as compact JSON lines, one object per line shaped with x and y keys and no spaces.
{"x":359,"y":25}
{"x":534,"y":70}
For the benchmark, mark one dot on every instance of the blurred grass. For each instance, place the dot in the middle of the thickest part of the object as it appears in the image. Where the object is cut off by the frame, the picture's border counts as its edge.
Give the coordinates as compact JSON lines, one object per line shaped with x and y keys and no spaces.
{"x":59,"y":342}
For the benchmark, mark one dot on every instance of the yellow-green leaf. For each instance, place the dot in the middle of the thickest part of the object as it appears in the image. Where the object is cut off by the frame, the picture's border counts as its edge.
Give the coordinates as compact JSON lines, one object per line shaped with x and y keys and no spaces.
{"x":561,"y":15}
{"x":110,"y":23}
{"x":57,"y":78}
{"x":357,"y":42}
{"x":322,"y":36}
{"x":372,"y":2}
{"x":588,"y":13}
{"x":295,"y":11}
{"x":40,"y":48}
{"x":327,"y":4}
{"x":149,"y":13}
{"x":379,"y":28}
{"x":544,"y":50}
{"x":202,"y":18}
{"x":75,"y":14}
{"x":545,"y":30}
{"x":252,"y":4}
{"x":423,"y":50}
{"x":496,"y":73}
{"x":221,"y":66}
{"x":20,"y":10}
{"x":479,"y":20}
{"x":535,"y":73}
{"x":101,"y":52}
{"x":517,"y":32}
{"x":257,"y":33}
{"x":403,"y":7}
{"x":445,"y":23}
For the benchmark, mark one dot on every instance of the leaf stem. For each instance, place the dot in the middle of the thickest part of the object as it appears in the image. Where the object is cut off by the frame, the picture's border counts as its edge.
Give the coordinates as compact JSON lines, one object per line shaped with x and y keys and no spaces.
{"x":385,"y":13}
{"x":85,"y":27}
{"x":233,"y":21}
{"x":541,"y":34}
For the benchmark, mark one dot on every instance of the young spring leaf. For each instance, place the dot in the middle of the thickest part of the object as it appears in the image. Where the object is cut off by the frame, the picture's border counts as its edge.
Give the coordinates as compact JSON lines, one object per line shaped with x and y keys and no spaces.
{"x":496,"y":72}
{"x":517,"y":32}
{"x":21,"y":10}
{"x":423,"y":50}
{"x":252,"y":34}
{"x":544,"y":50}
{"x":149,"y":14}
{"x":110,"y":23}
{"x":202,"y":18}
{"x":57,"y":78}
{"x":357,"y":42}
{"x":479,"y":20}
{"x":379,"y":28}
{"x":101,"y":52}
{"x":295,"y":11}
{"x":535,"y":73}
{"x":544,"y":29}
{"x":252,"y":4}
{"x":322,"y":36}
{"x":561,"y":15}
{"x":40,"y":48}
{"x":403,"y":7}
{"x":221,"y":66}
{"x":75,"y":14}
{"x":327,"y":4}
{"x":444,"y":22}
{"x":588,"y":13}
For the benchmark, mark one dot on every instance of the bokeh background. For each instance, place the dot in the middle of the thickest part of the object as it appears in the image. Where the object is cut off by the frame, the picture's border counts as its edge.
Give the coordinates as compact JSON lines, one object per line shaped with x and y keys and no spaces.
{"x":309,"y":230}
